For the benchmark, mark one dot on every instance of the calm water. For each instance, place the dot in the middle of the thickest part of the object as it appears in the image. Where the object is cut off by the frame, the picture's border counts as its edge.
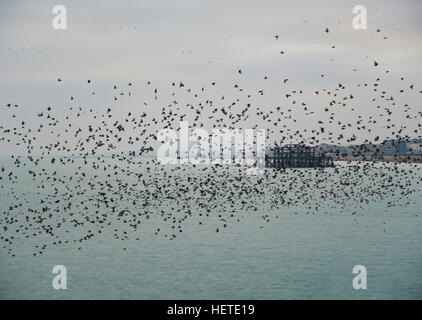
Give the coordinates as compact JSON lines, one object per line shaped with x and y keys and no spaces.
{"x":298,"y":255}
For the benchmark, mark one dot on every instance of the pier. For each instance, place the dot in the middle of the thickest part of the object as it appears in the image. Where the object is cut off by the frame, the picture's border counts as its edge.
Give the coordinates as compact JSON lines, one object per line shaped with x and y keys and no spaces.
{"x":297,"y":156}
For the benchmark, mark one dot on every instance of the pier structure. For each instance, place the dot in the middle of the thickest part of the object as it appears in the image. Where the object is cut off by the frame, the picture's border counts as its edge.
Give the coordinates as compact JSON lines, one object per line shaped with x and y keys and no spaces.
{"x":297,"y":156}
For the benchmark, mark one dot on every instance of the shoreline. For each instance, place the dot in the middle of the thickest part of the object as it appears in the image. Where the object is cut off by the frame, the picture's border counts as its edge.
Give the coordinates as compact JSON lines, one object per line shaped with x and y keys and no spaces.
{"x":395,"y":158}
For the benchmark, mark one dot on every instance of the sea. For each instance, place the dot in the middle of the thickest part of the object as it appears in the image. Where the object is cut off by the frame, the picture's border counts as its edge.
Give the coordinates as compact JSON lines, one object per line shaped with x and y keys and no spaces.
{"x":293,"y":250}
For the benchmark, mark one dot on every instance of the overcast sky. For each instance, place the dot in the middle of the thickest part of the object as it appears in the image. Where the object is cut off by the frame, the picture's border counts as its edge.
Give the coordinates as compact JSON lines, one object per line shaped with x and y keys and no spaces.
{"x":199,"y":42}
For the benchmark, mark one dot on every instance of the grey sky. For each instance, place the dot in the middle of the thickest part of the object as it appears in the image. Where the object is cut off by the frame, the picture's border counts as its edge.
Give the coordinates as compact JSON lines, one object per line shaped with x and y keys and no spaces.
{"x":199,"y":42}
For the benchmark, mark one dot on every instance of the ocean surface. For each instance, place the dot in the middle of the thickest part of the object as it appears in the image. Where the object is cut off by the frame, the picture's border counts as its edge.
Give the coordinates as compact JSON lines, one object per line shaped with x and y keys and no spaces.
{"x":298,"y":253}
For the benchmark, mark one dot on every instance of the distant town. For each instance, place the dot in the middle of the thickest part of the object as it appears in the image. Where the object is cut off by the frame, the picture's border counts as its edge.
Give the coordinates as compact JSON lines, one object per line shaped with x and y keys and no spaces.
{"x":409,"y":150}
{"x":302,"y":156}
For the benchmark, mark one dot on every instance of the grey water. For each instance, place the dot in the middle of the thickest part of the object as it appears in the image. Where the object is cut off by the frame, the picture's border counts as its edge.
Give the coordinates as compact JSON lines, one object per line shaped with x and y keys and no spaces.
{"x":298,"y":255}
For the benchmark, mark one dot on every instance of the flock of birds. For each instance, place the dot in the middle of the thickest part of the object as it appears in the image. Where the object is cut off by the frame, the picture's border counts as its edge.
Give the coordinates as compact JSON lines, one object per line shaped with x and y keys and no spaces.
{"x":73,"y":183}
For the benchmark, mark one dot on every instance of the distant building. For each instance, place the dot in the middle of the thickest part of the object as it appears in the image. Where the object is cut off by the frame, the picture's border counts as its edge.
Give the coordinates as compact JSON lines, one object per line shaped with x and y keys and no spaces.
{"x":391,"y":147}
{"x":399,"y":147}
{"x":297,"y":156}
{"x":414,"y":148}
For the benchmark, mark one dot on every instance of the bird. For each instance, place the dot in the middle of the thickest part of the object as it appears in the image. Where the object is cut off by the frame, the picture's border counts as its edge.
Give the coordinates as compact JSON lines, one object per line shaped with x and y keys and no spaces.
{"x":97,"y":175}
